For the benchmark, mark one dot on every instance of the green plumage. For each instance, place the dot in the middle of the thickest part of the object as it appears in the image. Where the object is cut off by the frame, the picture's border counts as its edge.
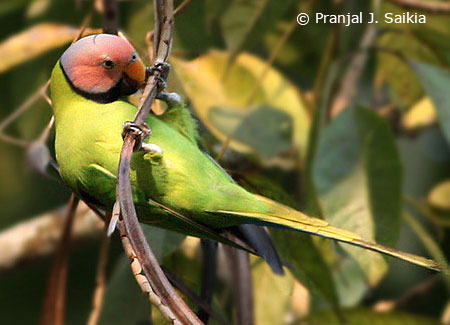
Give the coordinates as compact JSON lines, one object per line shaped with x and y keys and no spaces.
{"x":88,"y":144}
{"x":184,"y":179}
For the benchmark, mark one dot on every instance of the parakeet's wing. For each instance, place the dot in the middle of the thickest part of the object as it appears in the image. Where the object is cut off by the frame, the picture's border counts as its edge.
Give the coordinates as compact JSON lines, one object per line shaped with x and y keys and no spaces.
{"x":99,"y":182}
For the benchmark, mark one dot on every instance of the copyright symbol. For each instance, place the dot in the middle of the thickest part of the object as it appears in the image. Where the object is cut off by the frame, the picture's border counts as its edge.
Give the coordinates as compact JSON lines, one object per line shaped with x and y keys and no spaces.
{"x":302,"y":19}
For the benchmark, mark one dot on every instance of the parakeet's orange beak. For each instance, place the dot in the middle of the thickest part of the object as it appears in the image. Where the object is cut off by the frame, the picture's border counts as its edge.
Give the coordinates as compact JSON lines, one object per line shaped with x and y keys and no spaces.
{"x":136,"y":71}
{"x":134,"y":76}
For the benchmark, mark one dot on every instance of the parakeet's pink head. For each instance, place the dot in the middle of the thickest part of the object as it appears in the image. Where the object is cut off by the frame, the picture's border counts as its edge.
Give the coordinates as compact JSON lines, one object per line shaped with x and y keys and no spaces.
{"x":103,"y":67}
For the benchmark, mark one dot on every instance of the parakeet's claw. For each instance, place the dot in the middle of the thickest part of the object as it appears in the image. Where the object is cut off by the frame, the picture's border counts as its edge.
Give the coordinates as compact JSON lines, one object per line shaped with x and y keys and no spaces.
{"x":163,"y":68}
{"x":170,"y":98}
{"x":139,"y":133}
{"x":154,"y":150}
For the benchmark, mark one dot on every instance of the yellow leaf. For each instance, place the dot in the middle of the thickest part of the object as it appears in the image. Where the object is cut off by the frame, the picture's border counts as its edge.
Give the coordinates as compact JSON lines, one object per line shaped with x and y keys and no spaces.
{"x":33,"y":42}
{"x":208,"y":87}
{"x":439,"y":196}
{"x":268,"y":288}
{"x":421,"y":114}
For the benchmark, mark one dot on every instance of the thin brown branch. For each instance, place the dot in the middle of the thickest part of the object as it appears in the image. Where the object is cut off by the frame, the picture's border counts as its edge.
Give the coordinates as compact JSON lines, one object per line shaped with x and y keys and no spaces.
{"x":28,"y":104}
{"x":325,"y":63}
{"x":209,"y":274}
{"x":189,"y":293}
{"x":223,"y":149}
{"x":416,"y":291}
{"x":144,"y":264}
{"x":349,"y":84}
{"x":151,"y":34}
{"x":261,"y":77}
{"x":41,"y":92}
{"x":86,"y":22}
{"x":261,"y":6}
{"x":445,"y":317}
{"x":434,"y":7}
{"x":53,"y":312}
{"x":46,"y":132}
{"x":100,"y":279}
{"x":109,"y":10}
{"x":143,"y":279}
{"x":241,"y":277}
{"x":38,"y":237}
{"x":181,"y":6}
{"x":284,"y":38}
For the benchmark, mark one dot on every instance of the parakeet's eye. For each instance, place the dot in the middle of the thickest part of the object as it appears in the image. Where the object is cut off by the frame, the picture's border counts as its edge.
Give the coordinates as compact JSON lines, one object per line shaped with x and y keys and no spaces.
{"x":134,"y":57}
{"x":108,"y":64}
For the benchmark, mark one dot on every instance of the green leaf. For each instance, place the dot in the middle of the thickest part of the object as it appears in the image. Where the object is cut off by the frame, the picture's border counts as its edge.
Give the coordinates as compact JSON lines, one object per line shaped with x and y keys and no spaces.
{"x":439,"y":197}
{"x":8,"y":6}
{"x":307,"y":263}
{"x":203,"y":82}
{"x":266,"y":286}
{"x":357,"y":174}
{"x":422,"y":114}
{"x":265,"y":129}
{"x":162,"y":242}
{"x":245,"y":22}
{"x":397,"y":73}
{"x":436,"y":82}
{"x":422,"y":42}
{"x":366,"y":316}
{"x":32,"y":42}
{"x":124,"y":302}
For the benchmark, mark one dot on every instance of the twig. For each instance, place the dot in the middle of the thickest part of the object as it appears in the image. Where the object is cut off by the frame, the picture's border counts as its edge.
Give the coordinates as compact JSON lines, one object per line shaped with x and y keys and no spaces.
{"x":223,"y":149}
{"x":110,"y":17}
{"x":416,"y":291}
{"x":445,"y":317}
{"x":322,"y":90}
{"x":428,"y":242}
{"x":39,"y":236}
{"x":146,"y":268}
{"x":427,"y":212}
{"x":181,"y":6}
{"x":151,"y":34}
{"x":209,"y":273}
{"x":260,"y":8}
{"x":291,"y":28}
{"x":18,"y":112}
{"x":41,"y":92}
{"x":434,"y":7}
{"x":54,"y":302}
{"x":86,"y":22}
{"x":349,"y":85}
{"x":142,"y":279}
{"x":100,"y":279}
{"x":189,"y":293}
{"x":241,"y":277}
{"x":325,"y":63}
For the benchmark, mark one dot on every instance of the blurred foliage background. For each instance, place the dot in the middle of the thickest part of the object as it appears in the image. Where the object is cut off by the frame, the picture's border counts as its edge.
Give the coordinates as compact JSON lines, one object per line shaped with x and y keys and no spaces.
{"x":350,"y":124}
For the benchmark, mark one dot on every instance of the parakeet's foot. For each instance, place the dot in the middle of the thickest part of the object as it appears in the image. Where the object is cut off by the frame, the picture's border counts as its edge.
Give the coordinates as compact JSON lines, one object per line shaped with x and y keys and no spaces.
{"x":170,"y":99}
{"x":155,"y":152}
{"x":139,"y":133}
{"x":163,"y":68}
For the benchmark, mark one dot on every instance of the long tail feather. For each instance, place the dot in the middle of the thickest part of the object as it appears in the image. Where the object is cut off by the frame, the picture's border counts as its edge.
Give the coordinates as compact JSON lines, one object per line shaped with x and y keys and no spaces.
{"x":261,"y":242}
{"x":280,"y":215}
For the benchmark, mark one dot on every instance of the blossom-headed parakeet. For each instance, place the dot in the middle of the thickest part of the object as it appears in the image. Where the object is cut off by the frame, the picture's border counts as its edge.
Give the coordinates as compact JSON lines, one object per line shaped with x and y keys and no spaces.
{"x":87,"y":87}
